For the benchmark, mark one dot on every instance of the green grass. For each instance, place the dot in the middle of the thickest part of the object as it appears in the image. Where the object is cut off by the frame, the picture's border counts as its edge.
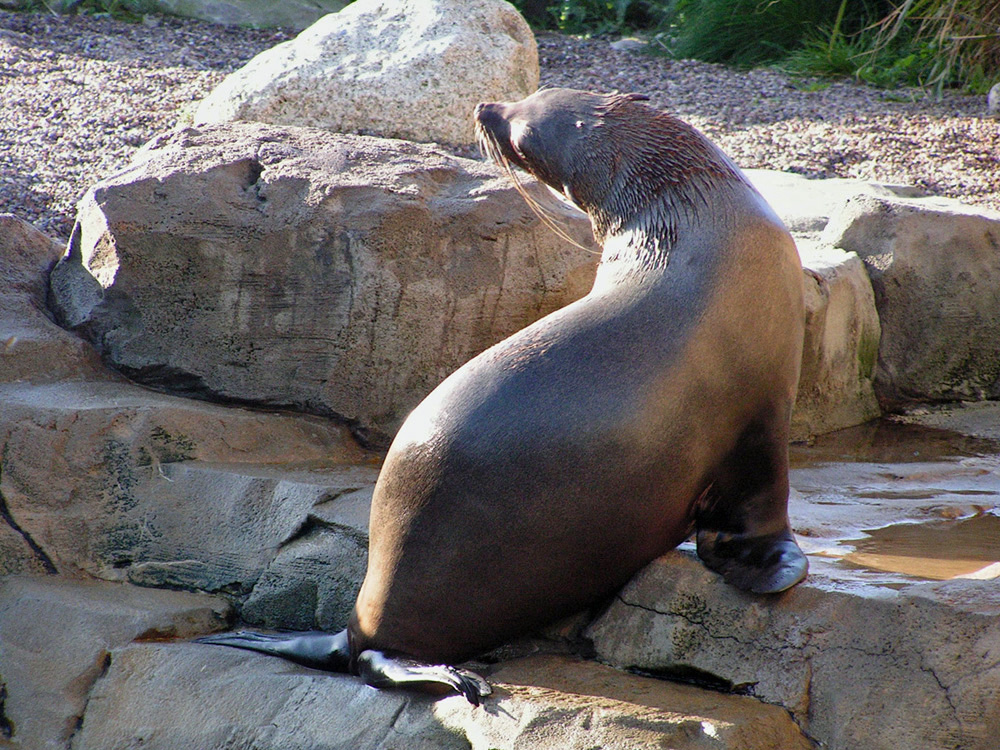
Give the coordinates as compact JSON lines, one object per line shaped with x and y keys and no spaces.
{"x":933,"y":44}
{"x":122,"y":10}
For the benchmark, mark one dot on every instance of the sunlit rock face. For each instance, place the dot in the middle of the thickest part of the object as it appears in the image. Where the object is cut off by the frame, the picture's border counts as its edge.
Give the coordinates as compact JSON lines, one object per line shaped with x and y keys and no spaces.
{"x":409,"y":69}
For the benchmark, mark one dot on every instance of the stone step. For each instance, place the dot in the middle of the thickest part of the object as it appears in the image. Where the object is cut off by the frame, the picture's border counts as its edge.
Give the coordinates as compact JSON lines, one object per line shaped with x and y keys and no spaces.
{"x":58,"y":635}
{"x":186,"y":695}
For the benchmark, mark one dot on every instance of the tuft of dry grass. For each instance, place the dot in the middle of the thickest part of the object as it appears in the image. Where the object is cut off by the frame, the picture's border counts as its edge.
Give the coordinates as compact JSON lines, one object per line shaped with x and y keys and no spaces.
{"x":964,"y":34}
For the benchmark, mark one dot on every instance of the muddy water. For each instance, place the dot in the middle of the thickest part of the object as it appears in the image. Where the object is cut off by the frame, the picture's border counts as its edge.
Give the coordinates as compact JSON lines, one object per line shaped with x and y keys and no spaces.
{"x":901,"y":499}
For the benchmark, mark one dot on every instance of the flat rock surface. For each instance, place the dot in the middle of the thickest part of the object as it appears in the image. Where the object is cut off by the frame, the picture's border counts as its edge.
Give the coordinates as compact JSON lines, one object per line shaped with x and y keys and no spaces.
{"x":57,"y":634}
{"x":235,"y":699}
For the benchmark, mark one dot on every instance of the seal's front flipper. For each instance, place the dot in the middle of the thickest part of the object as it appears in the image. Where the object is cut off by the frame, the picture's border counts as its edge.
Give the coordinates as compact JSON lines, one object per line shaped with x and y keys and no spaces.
{"x":312,"y":649}
{"x":762,"y":564}
{"x":381,"y":671}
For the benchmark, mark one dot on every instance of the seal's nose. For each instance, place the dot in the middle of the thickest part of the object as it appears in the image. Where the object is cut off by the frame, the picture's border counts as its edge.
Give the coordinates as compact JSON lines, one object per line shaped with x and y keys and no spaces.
{"x":488,"y":112}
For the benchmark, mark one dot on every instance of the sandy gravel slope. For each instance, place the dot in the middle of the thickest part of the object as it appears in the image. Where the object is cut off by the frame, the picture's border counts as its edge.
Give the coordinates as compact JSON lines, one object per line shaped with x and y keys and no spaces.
{"x":78,"y":96}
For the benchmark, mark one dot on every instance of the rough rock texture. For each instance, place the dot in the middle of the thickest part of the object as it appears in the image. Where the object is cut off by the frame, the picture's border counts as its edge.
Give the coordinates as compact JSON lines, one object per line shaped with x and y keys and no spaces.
{"x":836,"y":385}
{"x":295,"y":14}
{"x":935,"y":269}
{"x":32,"y":346}
{"x":285,"y":266}
{"x":411,"y":69}
{"x":914,"y":667}
{"x":313,"y":581}
{"x":93,"y":477}
{"x":546,"y":702}
{"x":57,"y":635}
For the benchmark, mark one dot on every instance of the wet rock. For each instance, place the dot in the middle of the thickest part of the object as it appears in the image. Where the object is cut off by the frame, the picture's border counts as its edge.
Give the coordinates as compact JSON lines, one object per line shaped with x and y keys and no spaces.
{"x":411,"y":69}
{"x":295,"y":14}
{"x":57,"y":637}
{"x":546,"y":702}
{"x":935,"y":270}
{"x":284,"y":266}
{"x":109,"y":478}
{"x":915,"y":667}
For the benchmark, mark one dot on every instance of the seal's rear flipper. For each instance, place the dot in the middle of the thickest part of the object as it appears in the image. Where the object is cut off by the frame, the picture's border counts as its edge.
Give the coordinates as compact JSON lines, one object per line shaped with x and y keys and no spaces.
{"x":762,"y":564}
{"x":380,"y":670}
{"x":331,"y":653}
{"x":314,"y":649}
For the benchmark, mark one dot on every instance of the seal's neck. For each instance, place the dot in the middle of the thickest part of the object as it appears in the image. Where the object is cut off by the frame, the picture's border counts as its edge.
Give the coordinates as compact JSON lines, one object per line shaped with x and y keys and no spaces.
{"x":656,"y":177}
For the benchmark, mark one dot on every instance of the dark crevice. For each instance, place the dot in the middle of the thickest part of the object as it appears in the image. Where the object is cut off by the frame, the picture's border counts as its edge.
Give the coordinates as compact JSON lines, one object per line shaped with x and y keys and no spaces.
{"x":6,"y":725}
{"x":102,"y":671}
{"x":178,"y":382}
{"x":254,"y":170}
{"x":698,"y":677}
{"x":5,"y":514}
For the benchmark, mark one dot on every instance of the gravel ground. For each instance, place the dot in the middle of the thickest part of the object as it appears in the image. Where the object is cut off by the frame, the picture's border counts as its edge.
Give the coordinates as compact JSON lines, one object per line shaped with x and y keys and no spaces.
{"x":78,"y":96}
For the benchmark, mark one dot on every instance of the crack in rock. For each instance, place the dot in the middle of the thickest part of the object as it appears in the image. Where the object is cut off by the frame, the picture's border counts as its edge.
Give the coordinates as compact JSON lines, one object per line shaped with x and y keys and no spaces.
{"x":35,"y":547}
{"x":105,"y":665}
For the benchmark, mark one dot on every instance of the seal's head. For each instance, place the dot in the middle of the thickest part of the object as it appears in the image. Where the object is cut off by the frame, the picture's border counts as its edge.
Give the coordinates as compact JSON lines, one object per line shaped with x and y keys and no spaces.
{"x":610,"y":154}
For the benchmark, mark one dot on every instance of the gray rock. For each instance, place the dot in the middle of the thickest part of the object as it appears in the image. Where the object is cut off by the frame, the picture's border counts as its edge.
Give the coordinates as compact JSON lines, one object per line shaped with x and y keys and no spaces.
{"x":630,"y":44}
{"x":295,"y":14}
{"x":409,"y":69}
{"x":118,"y":481}
{"x":312,"y":583}
{"x":57,"y":635}
{"x":934,"y":264}
{"x":284,"y":266}
{"x":33,"y":348}
{"x":993,"y":101}
{"x":836,"y":386}
{"x":915,"y":667}
{"x":220,"y":697}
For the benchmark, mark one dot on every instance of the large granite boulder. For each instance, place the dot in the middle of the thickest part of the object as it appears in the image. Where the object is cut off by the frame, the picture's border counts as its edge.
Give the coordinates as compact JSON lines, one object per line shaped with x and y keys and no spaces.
{"x":342,"y":275}
{"x":411,"y":69}
{"x":934,"y":264}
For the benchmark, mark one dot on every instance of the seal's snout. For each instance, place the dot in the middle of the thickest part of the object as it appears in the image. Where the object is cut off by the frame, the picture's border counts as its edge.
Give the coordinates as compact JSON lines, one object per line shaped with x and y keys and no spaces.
{"x":493,"y":132}
{"x":489,"y":115}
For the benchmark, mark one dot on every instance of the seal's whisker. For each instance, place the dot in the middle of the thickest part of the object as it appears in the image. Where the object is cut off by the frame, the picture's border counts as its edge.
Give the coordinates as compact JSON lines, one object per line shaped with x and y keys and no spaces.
{"x":544,"y":215}
{"x":491,"y":149}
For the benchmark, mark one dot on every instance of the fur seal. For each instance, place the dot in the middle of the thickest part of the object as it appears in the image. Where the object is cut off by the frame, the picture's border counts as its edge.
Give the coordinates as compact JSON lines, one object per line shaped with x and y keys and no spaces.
{"x":544,"y":473}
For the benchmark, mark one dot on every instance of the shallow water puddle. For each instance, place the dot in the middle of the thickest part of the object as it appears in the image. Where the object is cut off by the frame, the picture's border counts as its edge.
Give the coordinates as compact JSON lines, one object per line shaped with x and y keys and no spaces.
{"x":900,"y":499}
{"x":967,"y":548}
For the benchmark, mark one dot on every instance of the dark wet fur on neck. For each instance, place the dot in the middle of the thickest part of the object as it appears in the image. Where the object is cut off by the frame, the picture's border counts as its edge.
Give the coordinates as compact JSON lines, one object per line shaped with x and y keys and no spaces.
{"x":637,"y":169}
